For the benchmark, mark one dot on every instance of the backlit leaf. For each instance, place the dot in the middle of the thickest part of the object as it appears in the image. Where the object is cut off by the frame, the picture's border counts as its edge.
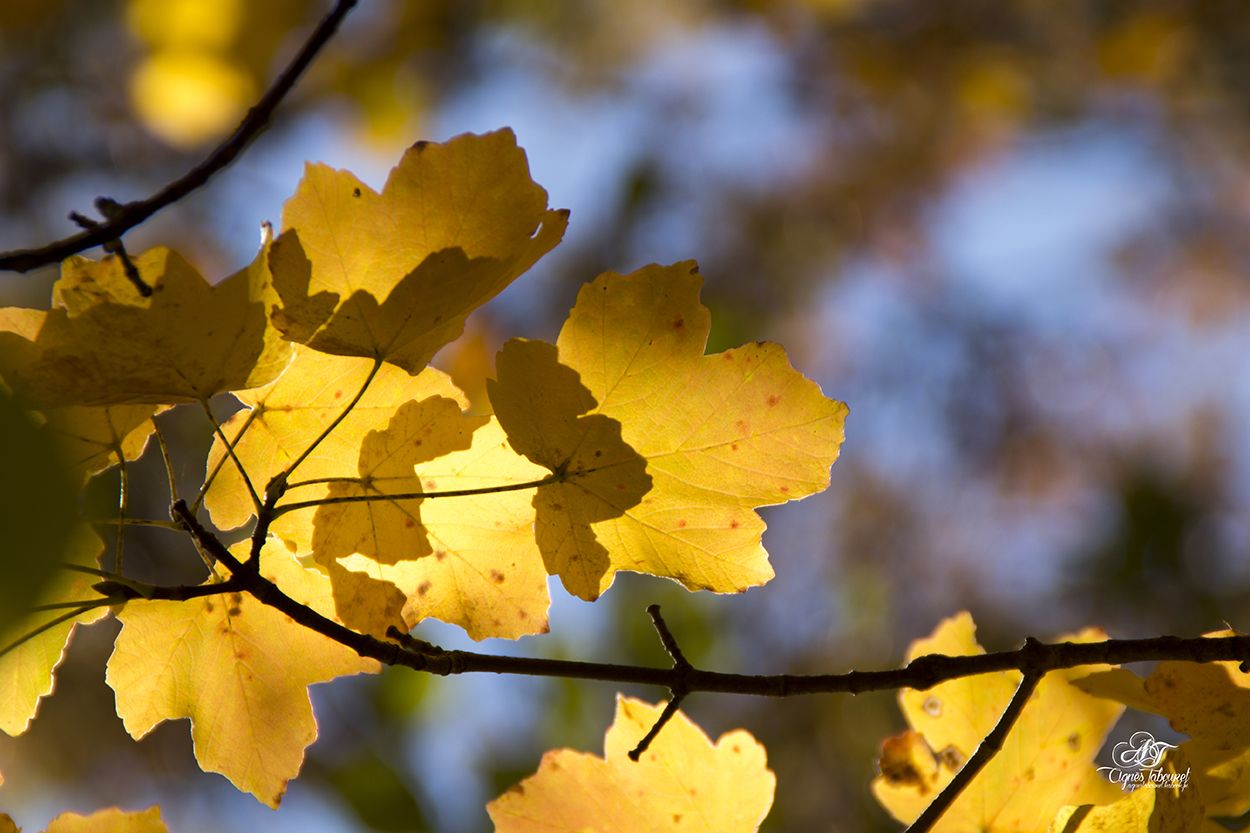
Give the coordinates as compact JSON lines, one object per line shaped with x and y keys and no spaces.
{"x":188,"y":341}
{"x":720,"y":434}
{"x":1151,"y":808}
{"x":238,"y":669}
{"x":1210,"y":702}
{"x":26,"y":672}
{"x":284,"y":417}
{"x":393,"y":275}
{"x":485,"y":573}
{"x":682,"y":784}
{"x":111,"y":820}
{"x":1046,"y":760}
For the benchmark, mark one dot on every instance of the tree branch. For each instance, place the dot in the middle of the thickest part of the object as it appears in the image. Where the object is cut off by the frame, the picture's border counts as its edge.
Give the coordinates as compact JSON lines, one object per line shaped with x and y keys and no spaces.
{"x":990,"y":746}
{"x":131,"y":214}
{"x":922,"y":673}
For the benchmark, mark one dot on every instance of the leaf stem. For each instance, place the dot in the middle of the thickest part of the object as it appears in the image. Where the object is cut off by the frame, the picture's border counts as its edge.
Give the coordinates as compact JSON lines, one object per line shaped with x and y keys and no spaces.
{"x":484,"y":490}
{"x":329,"y":429}
{"x":123,"y":491}
{"x":47,"y":626}
{"x":159,"y":524}
{"x":247,"y":481}
{"x":169,"y":463}
{"x":208,"y":481}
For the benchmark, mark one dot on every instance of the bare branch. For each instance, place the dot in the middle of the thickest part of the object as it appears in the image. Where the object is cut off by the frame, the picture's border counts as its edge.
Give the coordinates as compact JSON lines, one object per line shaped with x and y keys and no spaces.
{"x":131,"y":214}
{"x":989,"y":747}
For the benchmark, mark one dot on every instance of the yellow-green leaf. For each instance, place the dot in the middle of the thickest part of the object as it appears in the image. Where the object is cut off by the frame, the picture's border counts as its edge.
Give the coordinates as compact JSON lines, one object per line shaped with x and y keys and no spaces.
{"x":721,"y":435}
{"x":682,"y":784}
{"x":26,"y":672}
{"x":238,"y":669}
{"x":38,"y":507}
{"x":392,"y":275}
{"x":105,"y":344}
{"x":1046,"y":760}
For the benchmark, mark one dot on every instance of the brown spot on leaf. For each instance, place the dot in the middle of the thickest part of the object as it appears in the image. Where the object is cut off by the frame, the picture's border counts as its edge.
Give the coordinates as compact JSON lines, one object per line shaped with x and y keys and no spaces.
{"x":681,"y":523}
{"x":728,"y":355}
{"x":233,"y":611}
{"x":741,"y":425}
{"x":785,"y":489}
{"x":409,"y":523}
{"x":773,"y":399}
{"x":496,"y":576}
{"x":423,"y":588}
{"x":208,"y":606}
{"x":676,"y":818}
{"x":420,"y":146}
{"x":733,"y":446}
{"x":356,"y":193}
{"x":1074,"y":741}
{"x":430,"y":484}
{"x":735,"y":523}
{"x":678,"y":323}
{"x":338,"y":394}
{"x":951,"y":758}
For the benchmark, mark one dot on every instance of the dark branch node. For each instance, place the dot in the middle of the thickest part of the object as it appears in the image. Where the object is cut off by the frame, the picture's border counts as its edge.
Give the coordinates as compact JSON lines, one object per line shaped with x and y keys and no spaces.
{"x":110,"y":208}
{"x":678,"y":688}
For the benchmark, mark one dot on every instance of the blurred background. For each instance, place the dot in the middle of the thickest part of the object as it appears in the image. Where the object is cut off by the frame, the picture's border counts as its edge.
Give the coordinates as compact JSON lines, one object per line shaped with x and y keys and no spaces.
{"x":1012,"y":236}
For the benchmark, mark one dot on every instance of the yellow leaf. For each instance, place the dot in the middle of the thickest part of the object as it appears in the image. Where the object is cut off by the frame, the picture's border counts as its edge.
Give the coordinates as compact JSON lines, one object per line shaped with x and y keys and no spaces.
{"x":486,"y":574}
{"x":599,"y":476}
{"x":284,"y":417}
{"x":393,"y":275}
{"x":1210,"y":702}
{"x":1046,"y":760}
{"x":26,"y":672}
{"x":389,"y":531}
{"x":238,"y":669}
{"x":111,"y":820}
{"x":1170,"y":804}
{"x":186,"y":342}
{"x":721,"y":435}
{"x":683,"y":783}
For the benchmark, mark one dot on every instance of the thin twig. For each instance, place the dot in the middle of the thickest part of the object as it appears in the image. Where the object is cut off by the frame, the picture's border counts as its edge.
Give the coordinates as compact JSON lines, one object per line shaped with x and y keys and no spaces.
{"x":670,"y":709}
{"x":989,"y":747}
{"x":109,"y":208}
{"x":247,"y":481}
{"x":49,"y":625}
{"x":132,"y":214}
{"x":679,"y":689}
{"x":329,"y":429}
{"x":381,"y":496}
{"x":123,"y":492}
{"x":169,"y":463}
{"x":212,"y":475}
{"x":153,"y":522}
